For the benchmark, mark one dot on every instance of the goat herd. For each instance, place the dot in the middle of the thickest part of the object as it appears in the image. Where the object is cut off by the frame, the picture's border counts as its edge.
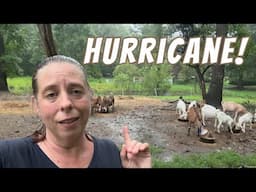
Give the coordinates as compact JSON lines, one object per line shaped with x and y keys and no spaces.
{"x":102,"y":105}
{"x":234,"y":116}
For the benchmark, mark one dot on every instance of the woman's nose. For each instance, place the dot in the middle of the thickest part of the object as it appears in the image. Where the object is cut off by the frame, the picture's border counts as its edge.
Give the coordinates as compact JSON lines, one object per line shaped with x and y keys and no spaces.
{"x":65,"y":102}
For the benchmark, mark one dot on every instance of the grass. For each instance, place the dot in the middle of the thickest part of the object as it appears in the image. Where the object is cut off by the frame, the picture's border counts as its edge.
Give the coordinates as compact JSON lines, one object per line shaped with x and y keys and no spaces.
{"x":223,"y":159}
{"x":20,"y":85}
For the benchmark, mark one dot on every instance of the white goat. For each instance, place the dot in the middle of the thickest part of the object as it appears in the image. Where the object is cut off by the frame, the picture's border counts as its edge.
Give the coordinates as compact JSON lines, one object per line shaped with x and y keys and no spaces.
{"x":184,"y":116}
{"x":208,"y":112}
{"x":223,"y":119}
{"x":181,"y":108}
{"x":243,"y":120}
{"x":192,"y":103}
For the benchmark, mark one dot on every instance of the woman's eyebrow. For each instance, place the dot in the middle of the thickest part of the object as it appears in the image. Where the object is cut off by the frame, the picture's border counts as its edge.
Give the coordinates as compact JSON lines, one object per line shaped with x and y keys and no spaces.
{"x":49,"y":87}
{"x":76,"y":85}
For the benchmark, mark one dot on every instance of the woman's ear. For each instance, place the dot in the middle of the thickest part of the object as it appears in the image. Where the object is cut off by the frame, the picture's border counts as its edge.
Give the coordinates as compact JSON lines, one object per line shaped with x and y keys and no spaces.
{"x":34,"y":105}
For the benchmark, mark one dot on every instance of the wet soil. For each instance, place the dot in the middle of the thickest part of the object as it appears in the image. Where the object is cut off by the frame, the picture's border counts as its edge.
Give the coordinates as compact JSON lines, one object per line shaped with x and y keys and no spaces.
{"x":149,"y":120}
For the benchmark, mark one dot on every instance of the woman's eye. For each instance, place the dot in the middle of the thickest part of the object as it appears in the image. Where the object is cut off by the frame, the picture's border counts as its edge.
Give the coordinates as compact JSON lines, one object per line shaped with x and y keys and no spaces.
{"x":51,"y":95}
{"x":76,"y":92}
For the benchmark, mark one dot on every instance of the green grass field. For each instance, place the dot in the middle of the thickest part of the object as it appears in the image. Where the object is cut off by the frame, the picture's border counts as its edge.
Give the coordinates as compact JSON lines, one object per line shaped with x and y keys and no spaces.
{"x":22,"y":86}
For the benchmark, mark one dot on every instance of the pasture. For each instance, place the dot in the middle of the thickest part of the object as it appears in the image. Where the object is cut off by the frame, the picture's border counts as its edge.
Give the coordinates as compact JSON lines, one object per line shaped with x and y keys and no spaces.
{"x":150,"y":119}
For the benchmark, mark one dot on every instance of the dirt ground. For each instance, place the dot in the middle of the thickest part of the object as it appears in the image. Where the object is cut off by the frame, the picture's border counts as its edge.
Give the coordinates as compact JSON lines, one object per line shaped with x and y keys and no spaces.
{"x":149,"y":120}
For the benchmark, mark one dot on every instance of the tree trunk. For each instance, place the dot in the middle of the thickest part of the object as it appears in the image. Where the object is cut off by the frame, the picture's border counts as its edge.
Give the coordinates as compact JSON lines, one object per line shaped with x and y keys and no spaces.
{"x":239,"y":83}
{"x":214,"y":95}
{"x":201,"y":81}
{"x":46,"y":35}
{"x":3,"y":76}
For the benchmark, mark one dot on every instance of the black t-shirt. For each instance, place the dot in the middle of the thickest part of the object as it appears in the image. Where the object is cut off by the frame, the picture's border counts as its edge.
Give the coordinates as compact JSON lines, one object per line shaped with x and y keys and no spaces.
{"x":24,"y":153}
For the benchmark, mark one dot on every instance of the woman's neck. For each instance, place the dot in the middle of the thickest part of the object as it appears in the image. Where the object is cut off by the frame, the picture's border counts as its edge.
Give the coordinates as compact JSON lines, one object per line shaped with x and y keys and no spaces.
{"x":76,"y":155}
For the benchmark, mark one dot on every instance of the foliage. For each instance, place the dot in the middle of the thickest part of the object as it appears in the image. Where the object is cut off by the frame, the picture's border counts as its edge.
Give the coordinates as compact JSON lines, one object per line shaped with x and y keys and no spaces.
{"x":122,"y":81}
{"x":13,"y":37}
{"x":93,"y":71}
{"x":83,"y":31}
{"x":102,"y":86}
{"x":11,"y":65}
{"x":129,"y":69}
{"x":156,"y":78}
{"x":23,"y":50}
{"x":70,"y":39}
{"x":240,"y":74}
{"x":124,"y":76}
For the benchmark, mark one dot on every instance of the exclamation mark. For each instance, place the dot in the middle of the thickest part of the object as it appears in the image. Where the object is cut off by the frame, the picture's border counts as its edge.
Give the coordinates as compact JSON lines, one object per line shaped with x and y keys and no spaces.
{"x":239,"y":60}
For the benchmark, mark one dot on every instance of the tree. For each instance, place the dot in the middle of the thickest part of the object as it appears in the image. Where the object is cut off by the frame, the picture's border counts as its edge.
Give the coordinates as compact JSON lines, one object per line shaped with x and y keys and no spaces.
{"x":191,"y":30}
{"x":156,"y":79}
{"x":3,"y":76}
{"x":241,"y":75}
{"x":124,"y":75}
{"x":214,"y":95}
{"x":11,"y":43}
{"x":45,"y":32}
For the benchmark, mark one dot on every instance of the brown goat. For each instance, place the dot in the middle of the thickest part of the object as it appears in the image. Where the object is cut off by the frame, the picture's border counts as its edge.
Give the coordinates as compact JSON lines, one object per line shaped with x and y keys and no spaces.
{"x":195,"y":118}
{"x":236,"y":108}
{"x":107,"y":104}
{"x":95,"y":104}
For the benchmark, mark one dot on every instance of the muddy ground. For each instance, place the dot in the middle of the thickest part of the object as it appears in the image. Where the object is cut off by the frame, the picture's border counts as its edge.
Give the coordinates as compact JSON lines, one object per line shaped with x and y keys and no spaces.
{"x":149,"y":120}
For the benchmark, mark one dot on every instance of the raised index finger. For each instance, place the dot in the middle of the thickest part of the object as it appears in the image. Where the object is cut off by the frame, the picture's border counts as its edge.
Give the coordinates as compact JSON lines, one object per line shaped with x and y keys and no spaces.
{"x":126,"y":135}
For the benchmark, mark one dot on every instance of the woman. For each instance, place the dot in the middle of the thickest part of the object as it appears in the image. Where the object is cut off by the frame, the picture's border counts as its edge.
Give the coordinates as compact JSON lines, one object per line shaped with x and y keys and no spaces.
{"x":62,"y":100}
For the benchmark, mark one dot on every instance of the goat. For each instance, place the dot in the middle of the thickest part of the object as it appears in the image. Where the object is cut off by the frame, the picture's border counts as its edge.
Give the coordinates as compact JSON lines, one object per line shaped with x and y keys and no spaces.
{"x":230,"y":106}
{"x":181,"y":107}
{"x":191,"y":104}
{"x":95,"y":104}
{"x":195,"y":118}
{"x":208,"y":111}
{"x":107,"y":104}
{"x":243,"y":120}
{"x":222,"y":118}
{"x":254,"y":117}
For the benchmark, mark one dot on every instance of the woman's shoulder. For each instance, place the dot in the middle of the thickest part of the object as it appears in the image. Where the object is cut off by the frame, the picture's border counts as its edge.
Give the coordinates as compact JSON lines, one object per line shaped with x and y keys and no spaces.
{"x":15,"y":143}
{"x":106,"y":154}
{"x":104,"y":143}
{"x":22,"y":153}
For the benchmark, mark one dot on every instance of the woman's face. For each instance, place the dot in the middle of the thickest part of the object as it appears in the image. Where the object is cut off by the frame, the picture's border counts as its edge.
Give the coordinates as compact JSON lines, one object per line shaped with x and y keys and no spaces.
{"x":63,"y":100}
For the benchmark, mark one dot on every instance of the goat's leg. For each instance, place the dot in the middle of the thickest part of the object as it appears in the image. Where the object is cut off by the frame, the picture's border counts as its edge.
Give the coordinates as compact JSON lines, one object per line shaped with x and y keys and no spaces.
{"x":218,"y":127}
{"x":251,"y":125}
{"x":199,"y":130}
{"x":230,"y":128}
{"x":243,"y":127}
{"x":215,"y":123}
{"x":203,"y":119}
{"x":189,"y":127}
{"x":236,"y":113}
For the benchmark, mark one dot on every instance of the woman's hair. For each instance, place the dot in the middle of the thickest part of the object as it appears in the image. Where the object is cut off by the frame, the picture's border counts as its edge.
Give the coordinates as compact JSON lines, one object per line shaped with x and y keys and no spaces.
{"x":54,"y":59}
{"x":39,"y":134}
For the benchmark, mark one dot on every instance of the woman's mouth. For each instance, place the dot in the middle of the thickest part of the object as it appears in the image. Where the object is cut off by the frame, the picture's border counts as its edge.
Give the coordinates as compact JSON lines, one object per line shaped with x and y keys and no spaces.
{"x":69,"y":120}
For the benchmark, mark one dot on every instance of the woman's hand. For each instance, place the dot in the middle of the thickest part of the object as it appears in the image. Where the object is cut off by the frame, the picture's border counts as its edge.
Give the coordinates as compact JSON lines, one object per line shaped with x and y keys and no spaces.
{"x":135,"y":154}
